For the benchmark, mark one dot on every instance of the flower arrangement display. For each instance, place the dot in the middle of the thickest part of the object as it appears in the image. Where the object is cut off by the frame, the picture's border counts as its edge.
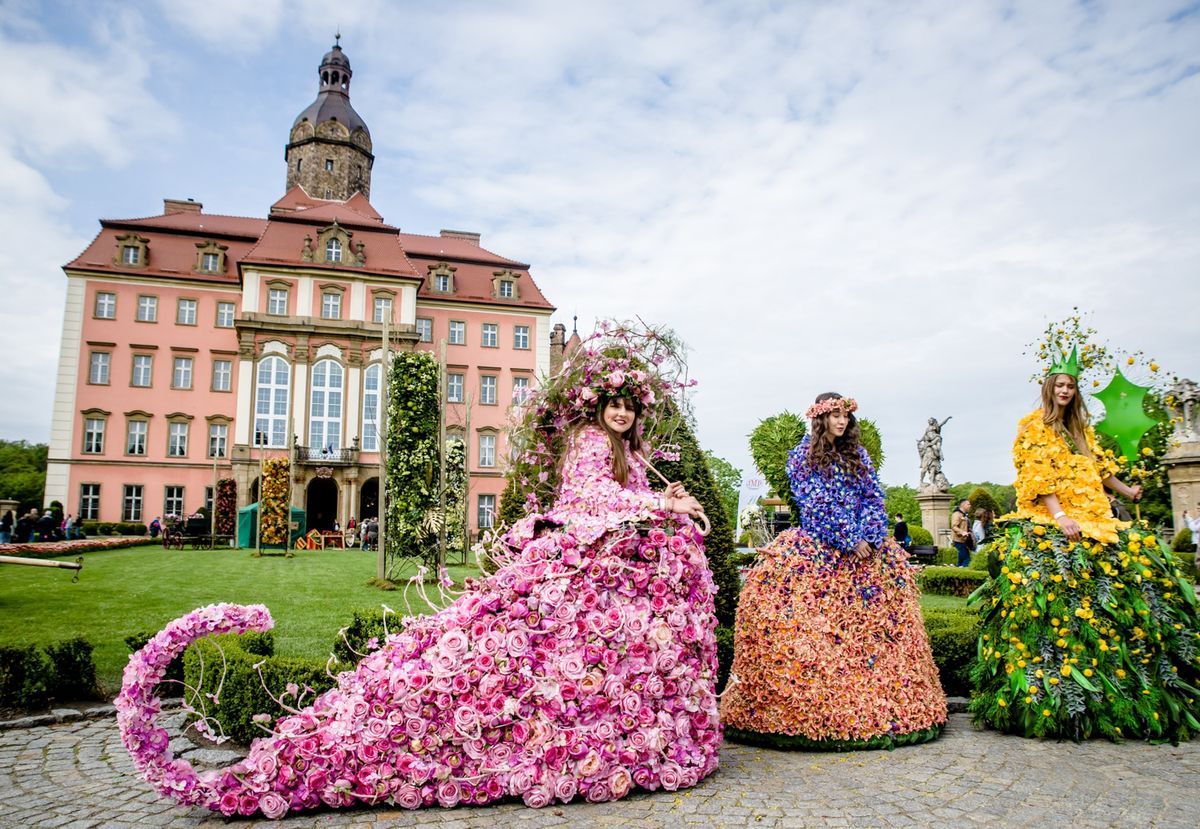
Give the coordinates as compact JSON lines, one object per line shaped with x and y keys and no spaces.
{"x":226,"y":519}
{"x":414,"y":409}
{"x":831,"y":652}
{"x":573,"y":672}
{"x":275,"y":503}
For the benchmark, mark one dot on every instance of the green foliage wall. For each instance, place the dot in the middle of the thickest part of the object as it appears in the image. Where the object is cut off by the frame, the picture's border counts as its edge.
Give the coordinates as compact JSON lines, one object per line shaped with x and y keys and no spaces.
{"x":903,"y":500}
{"x":414,"y":408}
{"x":770,"y":443}
{"x":23,"y":473}
{"x":728,"y":479}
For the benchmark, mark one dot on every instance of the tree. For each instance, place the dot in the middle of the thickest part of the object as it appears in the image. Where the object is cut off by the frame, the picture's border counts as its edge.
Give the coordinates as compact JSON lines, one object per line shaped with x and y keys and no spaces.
{"x":903,"y":500}
{"x":728,"y":480}
{"x":981,"y":498}
{"x":770,"y":443}
{"x":1005,"y":495}
{"x":23,"y":473}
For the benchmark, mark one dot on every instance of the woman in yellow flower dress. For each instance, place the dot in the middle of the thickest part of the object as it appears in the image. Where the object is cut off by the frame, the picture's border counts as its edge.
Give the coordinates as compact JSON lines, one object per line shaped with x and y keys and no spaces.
{"x":1089,"y":627}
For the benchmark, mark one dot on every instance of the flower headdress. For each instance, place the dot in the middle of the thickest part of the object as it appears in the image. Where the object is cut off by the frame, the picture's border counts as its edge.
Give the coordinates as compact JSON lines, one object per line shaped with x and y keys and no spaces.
{"x":634,"y":361}
{"x":847,"y":404}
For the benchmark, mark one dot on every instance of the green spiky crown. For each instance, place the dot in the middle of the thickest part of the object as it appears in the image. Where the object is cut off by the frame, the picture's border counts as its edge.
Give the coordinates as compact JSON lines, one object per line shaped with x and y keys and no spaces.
{"x":1070,"y":365}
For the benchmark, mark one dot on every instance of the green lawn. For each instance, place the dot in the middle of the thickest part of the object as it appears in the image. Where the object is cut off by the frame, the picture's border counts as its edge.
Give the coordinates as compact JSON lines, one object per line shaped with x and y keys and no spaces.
{"x":121,"y":592}
{"x":930,"y":601}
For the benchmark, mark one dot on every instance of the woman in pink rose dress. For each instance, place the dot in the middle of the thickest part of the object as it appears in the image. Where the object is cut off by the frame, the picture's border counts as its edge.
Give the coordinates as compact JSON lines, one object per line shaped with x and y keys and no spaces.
{"x":584,"y":667}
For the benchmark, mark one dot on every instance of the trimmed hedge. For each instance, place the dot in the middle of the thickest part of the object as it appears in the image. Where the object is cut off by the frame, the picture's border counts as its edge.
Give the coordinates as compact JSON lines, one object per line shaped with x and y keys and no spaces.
{"x":31,"y":676}
{"x":744,"y":559}
{"x":919,"y":535}
{"x":948,"y":557}
{"x":951,"y":581}
{"x":101,"y":528}
{"x":243,"y":691}
{"x":952,"y":637}
{"x":724,"y":655}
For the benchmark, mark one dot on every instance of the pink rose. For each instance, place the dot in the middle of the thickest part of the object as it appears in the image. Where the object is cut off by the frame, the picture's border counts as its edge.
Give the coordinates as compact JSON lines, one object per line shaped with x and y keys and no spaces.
{"x":670,"y":775}
{"x":408,"y":797}
{"x":272,"y":806}
{"x":565,"y":787}
{"x":448,"y":793}
{"x":619,"y":783}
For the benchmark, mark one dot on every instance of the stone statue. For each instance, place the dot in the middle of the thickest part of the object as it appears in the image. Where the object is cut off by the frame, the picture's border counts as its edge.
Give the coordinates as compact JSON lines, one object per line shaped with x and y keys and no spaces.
{"x":929,"y":447}
{"x":1183,"y":397}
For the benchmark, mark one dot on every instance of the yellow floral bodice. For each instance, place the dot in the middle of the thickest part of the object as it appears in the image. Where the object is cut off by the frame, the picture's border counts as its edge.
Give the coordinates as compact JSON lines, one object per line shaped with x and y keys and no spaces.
{"x":1047,"y":466}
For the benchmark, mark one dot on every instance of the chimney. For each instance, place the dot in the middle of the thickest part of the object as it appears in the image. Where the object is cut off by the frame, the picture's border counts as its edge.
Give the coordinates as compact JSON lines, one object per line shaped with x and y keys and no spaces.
{"x":181,"y":206}
{"x":465,"y":235}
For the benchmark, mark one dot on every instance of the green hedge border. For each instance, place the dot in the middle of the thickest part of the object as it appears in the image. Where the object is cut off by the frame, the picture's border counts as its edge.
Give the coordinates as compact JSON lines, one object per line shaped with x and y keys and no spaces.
{"x":789,"y":742}
{"x":951,"y":581}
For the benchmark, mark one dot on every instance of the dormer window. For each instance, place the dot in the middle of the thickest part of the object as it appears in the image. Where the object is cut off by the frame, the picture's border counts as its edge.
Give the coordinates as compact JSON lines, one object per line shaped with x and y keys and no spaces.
{"x":441,"y":279}
{"x":209,"y":262}
{"x":133,"y":251}
{"x":335,"y":245}
{"x":505,"y":285}
{"x":506,"y":289}
{"x":333,"y":251}
{"x":210,"y":257}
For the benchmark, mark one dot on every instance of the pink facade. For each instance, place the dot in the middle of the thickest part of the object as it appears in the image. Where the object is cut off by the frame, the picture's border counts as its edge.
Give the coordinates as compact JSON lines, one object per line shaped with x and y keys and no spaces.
{"x":188,"y":334}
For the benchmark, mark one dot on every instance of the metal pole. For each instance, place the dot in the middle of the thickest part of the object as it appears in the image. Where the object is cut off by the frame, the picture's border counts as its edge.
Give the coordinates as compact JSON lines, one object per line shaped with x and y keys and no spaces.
{"x":212,"y":516}
{"x":254,"y":442}
{"x":384,"y":401}
{"x":467,"y":471}
{"x":442,"y":478}
{"x":40,"y":562}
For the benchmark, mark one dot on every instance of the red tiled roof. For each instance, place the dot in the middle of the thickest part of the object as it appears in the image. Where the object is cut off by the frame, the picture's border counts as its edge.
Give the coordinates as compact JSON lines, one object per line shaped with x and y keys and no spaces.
{"x":473,"y":283}
{"x":452,"y":247}
{"x":205,"y":223}
{"x":172,"y":255}
{"x":283,"y":243}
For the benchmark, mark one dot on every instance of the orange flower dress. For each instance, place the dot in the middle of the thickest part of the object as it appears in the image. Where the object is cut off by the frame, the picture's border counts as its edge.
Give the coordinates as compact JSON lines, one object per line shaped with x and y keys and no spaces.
{"x":1079,"y":638}
{"x":830,"y":649}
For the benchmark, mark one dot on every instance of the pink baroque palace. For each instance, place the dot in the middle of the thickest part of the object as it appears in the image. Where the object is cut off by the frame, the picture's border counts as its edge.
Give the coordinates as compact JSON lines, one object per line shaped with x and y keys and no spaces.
{"x":194,"y":345}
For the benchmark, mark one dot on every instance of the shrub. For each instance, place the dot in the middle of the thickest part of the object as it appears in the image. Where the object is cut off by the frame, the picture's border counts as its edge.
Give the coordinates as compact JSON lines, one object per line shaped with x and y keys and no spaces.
{"x":73,"y":673}
{"x":129,"y":528}
{"x":951,"y":581}
{"x":1183,"y":542}
{"x":744,"y":559}
{"x":366,"y":623}
{"x":947,"y":556}
{"x":26,"y":675}
{"x":952,"y":637}
{"x":243,"y":692}
{"x":919,"y":535}
{"x":106,"y":528}
{"x":981,"y":498}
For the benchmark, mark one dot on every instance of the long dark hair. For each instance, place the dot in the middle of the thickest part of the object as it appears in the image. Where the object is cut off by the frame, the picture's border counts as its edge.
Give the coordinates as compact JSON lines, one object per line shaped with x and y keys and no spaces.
{"x":620,"y":461}
{"x":1071,"y":421}
{"x":826,"y":450}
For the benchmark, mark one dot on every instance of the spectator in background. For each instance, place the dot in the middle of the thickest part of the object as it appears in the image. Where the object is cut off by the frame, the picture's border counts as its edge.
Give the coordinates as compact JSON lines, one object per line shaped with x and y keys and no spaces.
{"x":900,"y":532}
{"x":6,"y":527}
{"x":155,"y":527}
{"x":960,"y":533}
{"x":47,"y":528}
{"x":23,"y":533}
{"x":982,"y":525}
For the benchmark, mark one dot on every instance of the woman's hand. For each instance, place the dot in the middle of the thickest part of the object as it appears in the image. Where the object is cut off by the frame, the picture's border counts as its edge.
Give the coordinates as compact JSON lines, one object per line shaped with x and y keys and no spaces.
{"x":686,"y":505}
{"x":1069,"y":527}
{"x":863,"y":548}
{"x":1135,"y":492}
{"x":675,"y":490}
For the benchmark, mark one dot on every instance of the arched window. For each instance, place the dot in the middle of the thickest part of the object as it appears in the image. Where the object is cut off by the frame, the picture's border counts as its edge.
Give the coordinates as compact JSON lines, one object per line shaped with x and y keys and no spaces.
{"x":325,"y":410}
{"x":271,"y":404}
{"x":370,"y":412}
{"x":333,"y":251}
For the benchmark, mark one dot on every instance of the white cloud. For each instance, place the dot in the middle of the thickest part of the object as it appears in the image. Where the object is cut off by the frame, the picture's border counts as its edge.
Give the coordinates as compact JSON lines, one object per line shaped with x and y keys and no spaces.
{"x":229,"y":24}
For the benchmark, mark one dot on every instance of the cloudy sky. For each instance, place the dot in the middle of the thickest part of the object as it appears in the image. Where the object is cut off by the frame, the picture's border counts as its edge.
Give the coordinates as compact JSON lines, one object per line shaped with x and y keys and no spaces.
{"x":886,"y":199}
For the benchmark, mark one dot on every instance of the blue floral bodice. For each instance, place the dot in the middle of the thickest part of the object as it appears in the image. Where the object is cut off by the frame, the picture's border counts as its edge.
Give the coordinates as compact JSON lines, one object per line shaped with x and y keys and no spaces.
{"x":836,"y":507}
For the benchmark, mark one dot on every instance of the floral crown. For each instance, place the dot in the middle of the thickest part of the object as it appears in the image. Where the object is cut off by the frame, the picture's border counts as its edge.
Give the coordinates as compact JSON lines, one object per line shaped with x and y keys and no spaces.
{"x":847,"y":404}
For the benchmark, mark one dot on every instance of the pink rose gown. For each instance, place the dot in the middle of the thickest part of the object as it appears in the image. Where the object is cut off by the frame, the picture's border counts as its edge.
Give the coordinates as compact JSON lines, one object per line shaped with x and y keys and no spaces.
{"x":583,"y":668}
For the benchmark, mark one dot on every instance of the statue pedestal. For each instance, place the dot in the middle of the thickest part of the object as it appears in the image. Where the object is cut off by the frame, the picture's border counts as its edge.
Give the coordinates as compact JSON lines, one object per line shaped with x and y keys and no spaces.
{"x":935,"y":514}
{"x":1183,"y":473}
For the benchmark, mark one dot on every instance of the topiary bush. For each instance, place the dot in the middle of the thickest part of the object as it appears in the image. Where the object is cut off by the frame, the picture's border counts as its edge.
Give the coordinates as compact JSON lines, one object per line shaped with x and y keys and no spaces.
{"x":73,"y":672}
{"x":919,"y":535}
{"x":724,"y":655}
{"x":244,"y":692}
{"x":951,"y":581}
{"x":952,"y":637}
{"x":26,"y":675}
{"x":1183,"y":542}
{"x":365,"y":633}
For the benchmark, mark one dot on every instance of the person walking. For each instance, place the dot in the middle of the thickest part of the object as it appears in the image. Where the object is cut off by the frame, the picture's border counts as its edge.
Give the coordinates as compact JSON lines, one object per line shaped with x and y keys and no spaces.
{"x":960,"y":532}
{"x":6,"y":527}
{"x":900,"y":532}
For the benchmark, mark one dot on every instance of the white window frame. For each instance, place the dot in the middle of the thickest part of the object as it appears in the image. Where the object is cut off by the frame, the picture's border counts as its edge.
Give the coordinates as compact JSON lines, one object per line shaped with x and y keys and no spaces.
{"x":147,"y":308}
{"x":226,"y":314}
{"x":331,"y":305}
{"x":370,"y":411}
{"x":425,"y":329}
{"x":106,"y":305}
{"x":487,"y":450}
{"x":177,"y":439}
{"x":185,"y":311}
{"x":93,"y":435}
{"x":382,"y":307}
{"x":458,"y":333}
{"x":441,"y":283}
{"x":506,"y":289}
{"x":131,"y":502}
{"x":143,"y":364}
{"x":222,"y":375}
{"x":486,"y":511}
{"x":489,"y":389}
{"x":99,"y":368}
{"x":521,"y":337}
{"x":137,"y":437}
{"x":333,"y":250}
{"x":181,"y":372}
{"x":210,"y":262}
{"x":456,"y":387}
{"x":325,"y":405}
{"x":277,"y":301}
{"x":218,"y":440}
{"x":520,"y":390}
{"x":131,"y":255}
{"x":270,"y":415}
{"x":489,"y":335}
{"x":89,"y":502}
{"x":174,"y":497}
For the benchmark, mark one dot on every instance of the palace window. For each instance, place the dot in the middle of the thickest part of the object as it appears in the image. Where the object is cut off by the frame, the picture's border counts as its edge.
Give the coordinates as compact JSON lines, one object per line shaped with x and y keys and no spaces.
{"x":370,"y":413}
{"x":325,"y":411}
{"x":89,"y":502}
{"x":173,"y":500}
{"x":143,"y":370}
{"x":93,"y":435}
{"x":131,"y":503}
{"x":106,"y":305}
{"x":136,"y":433}
{"x":441,"y":282}
{"x":458,"y":332}
{"x":521,"y":336}
{"x":333,"y":250}
{"x":210,"y":262}
{"x":222,"y":375}
{"x":491,"y":335}
{"x":329,"y":165}
{"x":425,"y":329}
{"x":454,"y":388}
{"x":331,"y":304}
{"x":506,"y":289}
{"x":225,"y":314}
{"x":210,"y":257}
{"x":271,"y":396}
{"x":218,"y":440}
{"x":147,"y":309}
{"x":177,"y":440}
{"x":277,"y":302}
{"x":181,"y":376}
{"x":98,"y":368}
{"x":487,"y":511}
{"x":487,"y":450}
{"x":131,"y":254}
{"x":520,"y":392}
{"x":186,"y":312}
{"x":383,"y":309}
{"x":487,"y":390}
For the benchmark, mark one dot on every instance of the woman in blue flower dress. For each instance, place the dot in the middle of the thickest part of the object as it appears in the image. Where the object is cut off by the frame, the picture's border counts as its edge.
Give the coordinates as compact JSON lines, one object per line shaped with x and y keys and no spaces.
{"x":830,"y":650}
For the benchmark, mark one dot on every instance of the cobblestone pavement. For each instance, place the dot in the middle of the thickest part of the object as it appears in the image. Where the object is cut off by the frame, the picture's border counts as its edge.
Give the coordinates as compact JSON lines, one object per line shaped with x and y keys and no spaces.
{"x":77,"y":774}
